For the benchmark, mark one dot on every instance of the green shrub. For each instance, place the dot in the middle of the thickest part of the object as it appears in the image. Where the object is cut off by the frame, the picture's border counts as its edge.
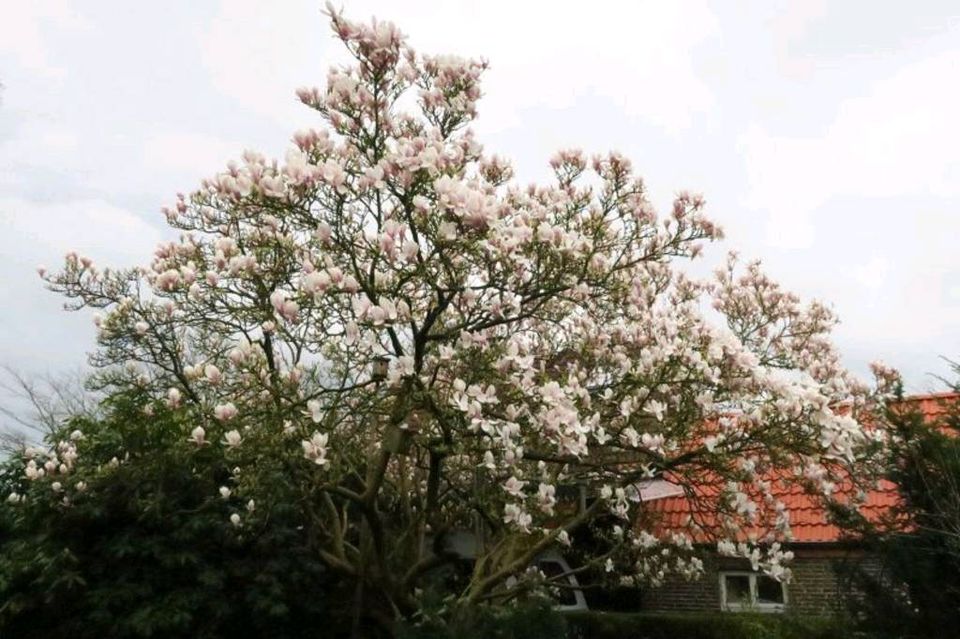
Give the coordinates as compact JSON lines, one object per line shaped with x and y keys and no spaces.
{"x":913,"y":590}
{"x":540,"y":622}
{"x":534,"y":620}
{"x":146,"y":549}
{"x":686,"y":625}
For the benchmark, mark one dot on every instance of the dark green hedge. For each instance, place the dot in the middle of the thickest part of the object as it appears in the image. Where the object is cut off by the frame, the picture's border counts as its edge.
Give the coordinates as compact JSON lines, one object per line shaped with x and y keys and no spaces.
{"x":607,"y":625}
{"x":540,"y":622}
{"x":534,"y":620}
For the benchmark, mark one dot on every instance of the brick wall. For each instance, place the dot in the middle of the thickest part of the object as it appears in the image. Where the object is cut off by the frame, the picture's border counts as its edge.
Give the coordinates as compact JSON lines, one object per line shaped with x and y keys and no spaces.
{"x":817,"y":587}
{"x":680,"y":594}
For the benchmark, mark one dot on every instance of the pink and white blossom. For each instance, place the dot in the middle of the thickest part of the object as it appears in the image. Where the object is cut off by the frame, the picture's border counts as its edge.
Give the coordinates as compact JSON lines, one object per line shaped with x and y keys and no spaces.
{"x":225,"y":412}
{"x":198,"y":436}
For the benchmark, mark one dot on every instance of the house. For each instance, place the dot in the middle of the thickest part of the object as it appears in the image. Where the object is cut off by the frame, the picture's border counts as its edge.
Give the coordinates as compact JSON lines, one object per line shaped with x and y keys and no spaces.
{"x":821,"y":549}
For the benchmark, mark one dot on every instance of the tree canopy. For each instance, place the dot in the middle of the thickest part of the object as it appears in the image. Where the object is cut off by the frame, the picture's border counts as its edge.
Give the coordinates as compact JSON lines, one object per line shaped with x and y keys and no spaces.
{"x":386,"y":334}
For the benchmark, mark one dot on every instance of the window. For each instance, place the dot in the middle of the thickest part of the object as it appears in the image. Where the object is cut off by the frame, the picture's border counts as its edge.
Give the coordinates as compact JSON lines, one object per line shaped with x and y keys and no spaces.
{"x":553,"y":569}
{"x":751,"y":591}
{"x":564,"y":591}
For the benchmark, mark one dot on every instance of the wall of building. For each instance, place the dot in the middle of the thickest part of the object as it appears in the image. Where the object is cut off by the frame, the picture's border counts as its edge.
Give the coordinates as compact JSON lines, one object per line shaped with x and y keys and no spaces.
{"x":817,"y":587}
{"x":680,"y":594}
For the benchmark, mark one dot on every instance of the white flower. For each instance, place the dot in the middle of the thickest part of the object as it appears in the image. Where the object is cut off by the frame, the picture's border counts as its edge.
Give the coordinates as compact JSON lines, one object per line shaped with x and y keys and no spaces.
{"x":237,"y":355}
{"x":323,"y":231}
{"x":652,"y":442}
{"x":489,"y":462}
{"x":81,"y":486}
{"x":232,"y":438}
{"x":56,"y":486}
{"x":513,"y":513}
{"x":630,"y":437}
{"x":213,"y":374}
{"x":609,"y":565}
{"x":174,"y":397}
{"x":286,"y":308}
{"x":315,"y":410}
{"x":198,"y":436}
{"x":514,"y":487}
{"x":656,"y":409}
{"x":546,"y":498}
{"x":225,"y":412}
{"x":13,"y":498}
{"x":235,"y":519}
{"x":315,"y":448}
{"x":76,"y":435}
{"x":141,"y":327}
{"x":251,"y":506}
{"x":225,"y":492}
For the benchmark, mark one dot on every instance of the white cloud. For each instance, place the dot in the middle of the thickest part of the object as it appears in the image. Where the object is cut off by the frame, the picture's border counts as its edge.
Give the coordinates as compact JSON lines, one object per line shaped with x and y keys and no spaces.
{"x":36,"y":142}
{"x":899,"y":139}
{"x":872,"y":274}
{"x":639,"y":55}
{"x":258,"y":53}
{"x":22,"y":32}
{"x":642,"y":58}
{"x":37,"y":232}
{"x":194,"y":155}
{"x":37,"y":335}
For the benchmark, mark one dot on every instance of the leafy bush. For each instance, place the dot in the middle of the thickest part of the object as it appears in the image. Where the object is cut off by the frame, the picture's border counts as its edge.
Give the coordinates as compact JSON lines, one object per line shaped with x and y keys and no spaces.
{"x":535,"y":620}
{"x":597,"y":625}
{"x":141,"y":547}
{"x":539,"y":621}
{"x":916,"y":591}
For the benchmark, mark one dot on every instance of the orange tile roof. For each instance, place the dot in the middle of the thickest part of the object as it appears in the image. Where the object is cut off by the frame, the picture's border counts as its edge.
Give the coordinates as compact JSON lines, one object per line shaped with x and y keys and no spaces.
{"x":809,"y":518}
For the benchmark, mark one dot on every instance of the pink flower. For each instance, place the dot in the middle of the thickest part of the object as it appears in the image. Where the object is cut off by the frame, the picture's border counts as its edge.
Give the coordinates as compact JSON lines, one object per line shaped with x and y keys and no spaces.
{"x":168,"y":280}
{"x":323,"y":232}
{"x":315,"y":448}
{"x":232,"y":438}
{"x":213,"y":374}
{"x":514,"y":514}
{"x":225,"y":412}
{"x":514,"y":487}
{"x":198,"y":436}
{"x":286,"y":308}
{"x":237,"y":355}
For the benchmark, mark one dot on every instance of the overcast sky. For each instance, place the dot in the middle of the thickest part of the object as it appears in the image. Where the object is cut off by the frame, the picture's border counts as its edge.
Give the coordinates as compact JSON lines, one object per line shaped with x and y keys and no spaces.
{"x":824,"y":135}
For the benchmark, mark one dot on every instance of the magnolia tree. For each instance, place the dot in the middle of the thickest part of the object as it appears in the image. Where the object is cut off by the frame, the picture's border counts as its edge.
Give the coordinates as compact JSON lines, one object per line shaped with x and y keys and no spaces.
{"x":387,"y":322}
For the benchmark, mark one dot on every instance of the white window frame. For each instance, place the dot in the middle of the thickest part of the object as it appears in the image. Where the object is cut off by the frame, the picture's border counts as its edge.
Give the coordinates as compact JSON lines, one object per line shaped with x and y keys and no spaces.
{"x":752,"y":605}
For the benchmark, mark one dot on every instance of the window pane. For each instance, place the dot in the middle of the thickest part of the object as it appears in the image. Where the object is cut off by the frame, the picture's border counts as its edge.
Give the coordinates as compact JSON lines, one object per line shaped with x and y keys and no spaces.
{"x":738,"y":589}
{"x":563,"y":596}
{"x":769,"y":591}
